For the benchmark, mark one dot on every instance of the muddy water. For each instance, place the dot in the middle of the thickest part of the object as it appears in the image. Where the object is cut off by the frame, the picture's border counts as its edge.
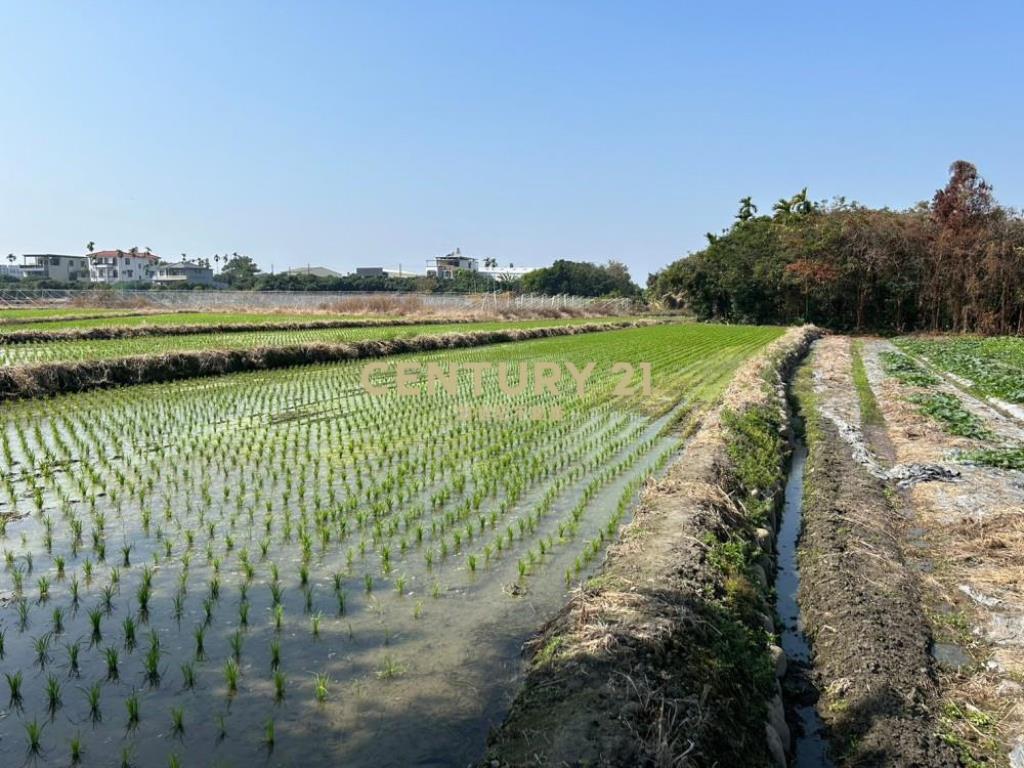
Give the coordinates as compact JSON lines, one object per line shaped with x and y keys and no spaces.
{"x":811,"y":746}
{"x":418,"y":678}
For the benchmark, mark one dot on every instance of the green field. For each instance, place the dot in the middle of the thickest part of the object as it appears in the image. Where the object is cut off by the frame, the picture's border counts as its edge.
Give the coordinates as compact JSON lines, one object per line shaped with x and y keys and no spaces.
{"x":993,"y":365}
{"x":118,"y":318}
{"x":194,"y":563}
{"x":105,"y":349}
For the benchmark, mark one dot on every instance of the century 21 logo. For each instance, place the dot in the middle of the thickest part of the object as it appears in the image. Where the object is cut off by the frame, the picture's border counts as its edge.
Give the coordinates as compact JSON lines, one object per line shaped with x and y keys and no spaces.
{"x":413,"y":378}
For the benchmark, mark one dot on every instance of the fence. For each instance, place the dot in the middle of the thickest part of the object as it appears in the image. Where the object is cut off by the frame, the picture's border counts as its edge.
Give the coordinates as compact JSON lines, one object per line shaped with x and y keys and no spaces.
{"x":299,"y":300}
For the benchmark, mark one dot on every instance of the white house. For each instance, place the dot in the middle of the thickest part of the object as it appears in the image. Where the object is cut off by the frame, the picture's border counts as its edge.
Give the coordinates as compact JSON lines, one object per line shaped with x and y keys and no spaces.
{"x":122,"y":266}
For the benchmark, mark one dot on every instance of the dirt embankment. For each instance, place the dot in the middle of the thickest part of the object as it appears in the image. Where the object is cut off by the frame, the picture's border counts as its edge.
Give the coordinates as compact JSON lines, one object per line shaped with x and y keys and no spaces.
{"x":861,"y":602}
{"x":664,"y":657}
{"x":77,"y":376}
{"x":968,"y":546}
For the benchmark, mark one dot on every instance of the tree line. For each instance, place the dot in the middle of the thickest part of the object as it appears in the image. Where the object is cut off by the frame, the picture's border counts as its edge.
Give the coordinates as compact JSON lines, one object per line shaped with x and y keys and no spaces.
{"x":954,"y":263}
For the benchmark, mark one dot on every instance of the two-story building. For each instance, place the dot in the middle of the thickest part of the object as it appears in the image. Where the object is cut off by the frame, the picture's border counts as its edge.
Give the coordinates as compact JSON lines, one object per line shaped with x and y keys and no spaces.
{"x":445,"y":267}
{"x":183,"y":273}
{"x":55,"y":266}
{"x":122,"y":266}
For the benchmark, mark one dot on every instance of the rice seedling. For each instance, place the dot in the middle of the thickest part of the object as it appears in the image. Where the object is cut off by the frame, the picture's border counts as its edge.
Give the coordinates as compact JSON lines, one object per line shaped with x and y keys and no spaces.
{"x":321,"y":681}
{"x":236,"y":645}
{"x":53,"y":694}
{"x":111,"y":657}
{"x":128,"y":627}
{"x":268,"y":734}
{"x":93,"y":695}
{"x":199,"y":633}
{"x":76,"y":749}
{"x":178,"y":721}
{"x":315,"y":623}
{"x":275,"y":653}
{"x":58,"y":621}
{"x":132,"y":705}
{"x":231,"y":675}
{"x":279,"y":685}
{"x":14,"y":681}
{"x":151,"y":662}
{"x":41,"y":646}
{"x":34,"y":732}
{"x":388,"y":669}
{"x":73,"y":650}
{"x":95,"y":621}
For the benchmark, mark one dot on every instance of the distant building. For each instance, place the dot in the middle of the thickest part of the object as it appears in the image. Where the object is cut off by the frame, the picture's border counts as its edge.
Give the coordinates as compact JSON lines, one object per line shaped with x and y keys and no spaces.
{"x":382,"y":272}
{"x":445,"y":267}
{"x":55,"y":266}
{"x":122,"y":267}
{"x":314,"y":271}
{"x":183,"y":273}
{"x":11,"y":271}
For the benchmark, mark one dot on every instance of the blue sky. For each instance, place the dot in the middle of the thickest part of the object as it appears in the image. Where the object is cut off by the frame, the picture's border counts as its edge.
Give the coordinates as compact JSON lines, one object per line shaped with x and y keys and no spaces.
{"x":352,"y":134}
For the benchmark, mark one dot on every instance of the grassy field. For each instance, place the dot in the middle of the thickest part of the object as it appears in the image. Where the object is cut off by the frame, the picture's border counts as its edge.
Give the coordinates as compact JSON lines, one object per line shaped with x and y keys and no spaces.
{"x":994,"y":365}
{"x":234,"y":565}
{"x":56,"y":351}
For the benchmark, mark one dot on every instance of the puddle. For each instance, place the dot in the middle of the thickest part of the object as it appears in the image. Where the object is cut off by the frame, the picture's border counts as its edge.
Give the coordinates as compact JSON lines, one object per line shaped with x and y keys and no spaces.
{"x":810,"y":743}
{"x":951,"y":656}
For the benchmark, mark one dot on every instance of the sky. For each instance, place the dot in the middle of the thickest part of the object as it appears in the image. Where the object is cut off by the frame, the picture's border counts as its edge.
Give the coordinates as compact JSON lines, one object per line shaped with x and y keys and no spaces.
{"x":385,"y":133}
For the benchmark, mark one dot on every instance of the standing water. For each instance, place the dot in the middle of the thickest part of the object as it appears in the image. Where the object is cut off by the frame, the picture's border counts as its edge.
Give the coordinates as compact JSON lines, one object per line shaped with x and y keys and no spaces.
{"x":811,"y":746}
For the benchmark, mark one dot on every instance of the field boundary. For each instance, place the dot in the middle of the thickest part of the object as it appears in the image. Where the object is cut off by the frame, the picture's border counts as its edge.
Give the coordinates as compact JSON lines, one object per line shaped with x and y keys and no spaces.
{"x":665,"y":657}
{"x":42,"y":379}
{"x":130,"y":332}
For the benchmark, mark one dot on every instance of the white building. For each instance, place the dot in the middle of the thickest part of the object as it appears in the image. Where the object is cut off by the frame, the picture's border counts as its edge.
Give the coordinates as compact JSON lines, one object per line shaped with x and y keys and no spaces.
{"x":12,"y":271}
{"x":122,"y":266}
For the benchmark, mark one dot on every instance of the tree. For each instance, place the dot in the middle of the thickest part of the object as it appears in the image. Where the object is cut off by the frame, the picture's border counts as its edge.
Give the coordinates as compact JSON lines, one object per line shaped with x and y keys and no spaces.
{"x":581,"y":278}
{"x":11,"y":258}
{"x":240,"y":272}
{"x":90,"y":247}
{"x":747,"y":209}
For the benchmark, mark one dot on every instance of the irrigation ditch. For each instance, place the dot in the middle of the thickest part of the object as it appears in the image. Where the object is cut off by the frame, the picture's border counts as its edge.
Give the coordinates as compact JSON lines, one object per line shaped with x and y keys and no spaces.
{"x":43,"y":379}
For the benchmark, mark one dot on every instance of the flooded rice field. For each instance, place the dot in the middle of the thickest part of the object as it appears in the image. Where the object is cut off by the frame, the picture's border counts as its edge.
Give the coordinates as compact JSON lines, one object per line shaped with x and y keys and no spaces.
{"x":227,"y":571}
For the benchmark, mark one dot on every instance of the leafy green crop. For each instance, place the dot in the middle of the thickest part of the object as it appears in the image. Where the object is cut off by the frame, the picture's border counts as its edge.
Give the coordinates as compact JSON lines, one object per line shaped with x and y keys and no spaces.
{"x":949,"y":410}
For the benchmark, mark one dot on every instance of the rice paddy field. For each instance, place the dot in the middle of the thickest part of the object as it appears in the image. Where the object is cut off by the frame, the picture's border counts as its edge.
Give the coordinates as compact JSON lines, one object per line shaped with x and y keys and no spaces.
{"x":54,"y":320}
{"x":106,"y":349}
{"x":218,"y":571}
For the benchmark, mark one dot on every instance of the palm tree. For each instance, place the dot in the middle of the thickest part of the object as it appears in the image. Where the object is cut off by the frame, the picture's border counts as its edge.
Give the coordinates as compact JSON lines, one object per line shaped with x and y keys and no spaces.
{"x":782,"y":207}
{"x":11,"y":258}
{"x":747,"y":209}
{"x":90,"y":247}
